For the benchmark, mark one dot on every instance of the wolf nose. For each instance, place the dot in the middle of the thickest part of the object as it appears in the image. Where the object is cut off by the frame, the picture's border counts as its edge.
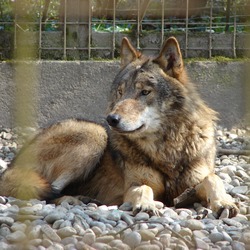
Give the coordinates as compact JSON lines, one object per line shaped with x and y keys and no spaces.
{"x":113,"y":120}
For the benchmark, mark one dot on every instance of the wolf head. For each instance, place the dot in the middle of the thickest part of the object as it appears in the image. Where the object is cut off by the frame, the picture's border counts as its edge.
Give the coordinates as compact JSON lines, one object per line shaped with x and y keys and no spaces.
{"x":147,"y":91}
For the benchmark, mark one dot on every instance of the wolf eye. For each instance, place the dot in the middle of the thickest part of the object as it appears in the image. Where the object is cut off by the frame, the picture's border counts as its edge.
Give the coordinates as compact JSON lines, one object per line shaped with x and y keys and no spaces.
{"x":145,"y":92}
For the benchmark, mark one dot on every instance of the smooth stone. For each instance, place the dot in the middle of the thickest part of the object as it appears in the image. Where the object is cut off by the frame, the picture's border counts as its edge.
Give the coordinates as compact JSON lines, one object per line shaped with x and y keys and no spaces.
{"x":56,"y":246}
{"x":57,"y":224}
{"x":200,"y":233}
{"x":239,"y":190}
{"x":185,"y":232}
{"x":6,"y":220}
{"x":35,"y":232}
{"x":97,"y":231}
{"x":66,"y":232}
{"x":226,"y":236}
{"x":148,"y":247}
{"x":4,"y":231}
{"x":126,"y":206}
{"x":3,"y":200}
{"x":30,"y":210}
{"x":232,"y":222}
{"x":115,"y":215}
{"x":121,"y":246}
{"x":214,"y":237}
{"x":100,"y":246}
{"x":165,"y":239}
{"x":127,"y":218}
{"x":168,"y":212}
{"x":142,"y":216}
{"x":54,"y":216}
{"x":225,"y":214}
{"x":222,"y":244}
{"x":93,"y":215}
{"x":16,"y":237}
{"x":99,"y":224}
{"x":89,"y":237}
{"x":132,"y":239}
{"x":115,"y":242}
{"x":236,"y":245}
{"x":35,"y":242}
{"x":245,"y":237}
{"x":146,"y":235}
{"x":4,"y":246}
{"x":69,"y":240}
{"x":105,"y":239}
{"x":50,"y":233}
{"x":226,"y":162}
{"x":66,"y":223}
{"x":194,"y":224}
{"x":17,"y":226}
{"x":201,"y":244}
{"x":226,"y":177}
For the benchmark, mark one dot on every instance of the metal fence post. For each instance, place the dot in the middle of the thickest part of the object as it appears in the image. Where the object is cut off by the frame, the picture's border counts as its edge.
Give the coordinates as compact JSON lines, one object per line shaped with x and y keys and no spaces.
{"x":64,"y":31}
{"x":162,"y":20}
{"x":186,"y":30}
{"x":138,"y":25}
{"x":113,"y":35}
{"x":235,"y":27}
{"x":210,"y":29}
{"x":89,"y":27}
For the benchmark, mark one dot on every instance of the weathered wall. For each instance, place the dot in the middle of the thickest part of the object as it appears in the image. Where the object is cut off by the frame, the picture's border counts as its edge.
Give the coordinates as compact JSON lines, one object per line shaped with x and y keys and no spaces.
{"x":80,"y":89}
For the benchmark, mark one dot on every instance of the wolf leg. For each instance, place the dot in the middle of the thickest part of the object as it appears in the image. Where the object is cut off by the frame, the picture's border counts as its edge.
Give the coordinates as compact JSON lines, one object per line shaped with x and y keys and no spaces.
{"x":212,"y":190}
{"x":142,"y":199}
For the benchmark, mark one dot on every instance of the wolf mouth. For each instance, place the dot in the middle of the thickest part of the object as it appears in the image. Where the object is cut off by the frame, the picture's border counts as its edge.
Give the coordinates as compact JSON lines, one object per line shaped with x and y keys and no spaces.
{"x":128,"y":131}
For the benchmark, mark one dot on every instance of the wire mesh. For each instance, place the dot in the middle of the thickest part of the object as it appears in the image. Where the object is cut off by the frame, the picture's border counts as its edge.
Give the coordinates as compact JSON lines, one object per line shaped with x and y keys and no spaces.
{"x":87,"y":29}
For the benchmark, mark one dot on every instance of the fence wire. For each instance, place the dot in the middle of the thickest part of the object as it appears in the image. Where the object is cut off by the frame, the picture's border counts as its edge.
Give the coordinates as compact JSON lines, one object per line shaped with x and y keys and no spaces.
{"x":87,"y":29}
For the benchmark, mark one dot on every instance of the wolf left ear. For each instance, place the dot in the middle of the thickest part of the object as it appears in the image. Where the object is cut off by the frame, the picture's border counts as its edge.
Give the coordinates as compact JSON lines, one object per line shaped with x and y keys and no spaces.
{"x":128,"y":52}
{"x":170,"y":59}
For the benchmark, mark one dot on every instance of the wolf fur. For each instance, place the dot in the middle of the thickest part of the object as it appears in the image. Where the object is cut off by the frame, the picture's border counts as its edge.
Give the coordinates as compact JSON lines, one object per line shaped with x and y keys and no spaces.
{"x":160,"y":140}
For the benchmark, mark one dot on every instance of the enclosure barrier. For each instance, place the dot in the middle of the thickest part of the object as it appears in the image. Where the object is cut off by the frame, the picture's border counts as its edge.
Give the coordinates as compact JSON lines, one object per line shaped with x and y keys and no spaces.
{"x":87,"y":29}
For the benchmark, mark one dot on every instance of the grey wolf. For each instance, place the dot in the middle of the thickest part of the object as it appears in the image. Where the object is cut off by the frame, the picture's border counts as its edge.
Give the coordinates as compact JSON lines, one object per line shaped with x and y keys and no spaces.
{"x":160,"y":141}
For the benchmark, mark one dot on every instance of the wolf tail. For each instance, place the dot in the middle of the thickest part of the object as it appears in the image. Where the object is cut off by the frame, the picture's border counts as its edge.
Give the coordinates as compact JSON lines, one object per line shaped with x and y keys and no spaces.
{"x":24,"y":183}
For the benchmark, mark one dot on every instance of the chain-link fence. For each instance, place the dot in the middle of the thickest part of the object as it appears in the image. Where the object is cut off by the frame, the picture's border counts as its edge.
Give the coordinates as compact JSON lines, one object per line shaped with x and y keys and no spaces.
{"x":85,"y":29}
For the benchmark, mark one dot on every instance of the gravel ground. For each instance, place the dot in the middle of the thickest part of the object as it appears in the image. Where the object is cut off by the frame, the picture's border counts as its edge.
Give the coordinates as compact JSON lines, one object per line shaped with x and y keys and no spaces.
{"x":36,"y":225}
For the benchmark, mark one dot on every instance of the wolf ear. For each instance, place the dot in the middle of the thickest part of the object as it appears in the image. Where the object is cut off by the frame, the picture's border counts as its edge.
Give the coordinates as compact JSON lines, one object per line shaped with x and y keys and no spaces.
{"x":128,"y":52}
{"x":170,"y":59}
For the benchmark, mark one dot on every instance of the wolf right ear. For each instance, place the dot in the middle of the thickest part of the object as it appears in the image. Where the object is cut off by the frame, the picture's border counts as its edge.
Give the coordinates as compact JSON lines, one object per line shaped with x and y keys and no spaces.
{"x":128,"y":52}
{"x":170,"y":59}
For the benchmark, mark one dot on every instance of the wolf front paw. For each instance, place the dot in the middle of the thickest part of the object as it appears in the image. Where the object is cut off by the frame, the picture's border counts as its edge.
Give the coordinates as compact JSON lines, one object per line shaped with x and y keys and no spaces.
{"x":218,"y":206}
{"x":150,"y":207}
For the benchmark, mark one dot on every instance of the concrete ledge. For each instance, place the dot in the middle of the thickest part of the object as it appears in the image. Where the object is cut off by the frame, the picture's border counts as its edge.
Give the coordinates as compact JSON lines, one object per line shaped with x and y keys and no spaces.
{"x":80,"y":89}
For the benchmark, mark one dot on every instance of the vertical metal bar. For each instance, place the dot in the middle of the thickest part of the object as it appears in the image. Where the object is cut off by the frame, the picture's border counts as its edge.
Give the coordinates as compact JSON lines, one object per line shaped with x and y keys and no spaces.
{"x":210,"y":30}
{"x":40,"y":32}
{"x":235,"y":28}
{"x":64,"y":31}
{"x":113,"y":37}
{"x":138,"y":25}
{"x":89,"y":28}
{"x":15,"y":35}
{"x":186,"y":32}
{"x":162,"y":20}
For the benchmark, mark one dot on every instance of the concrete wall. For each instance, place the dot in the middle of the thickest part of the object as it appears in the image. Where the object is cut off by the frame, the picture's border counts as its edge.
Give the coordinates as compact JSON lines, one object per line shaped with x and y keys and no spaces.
{"x":80,"y":89}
